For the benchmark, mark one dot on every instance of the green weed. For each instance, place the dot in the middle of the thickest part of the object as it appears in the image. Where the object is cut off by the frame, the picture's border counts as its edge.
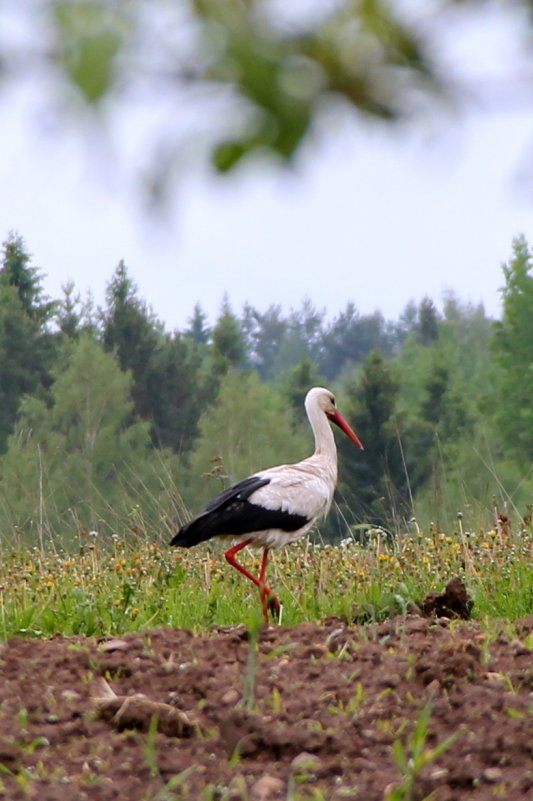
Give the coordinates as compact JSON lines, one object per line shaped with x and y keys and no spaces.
{"x":412,"y":758}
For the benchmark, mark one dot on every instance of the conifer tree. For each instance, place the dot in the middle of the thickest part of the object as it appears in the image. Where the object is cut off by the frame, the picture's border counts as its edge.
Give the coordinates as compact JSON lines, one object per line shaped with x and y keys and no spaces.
{"x":131,"y":331}
{"x":427,"y":328}
{"x":75,"y":316}
{"x":304,"y":338}
{"x":442,"y":423}
{"x":167,"y":388}
{"x":265,"y":334}
{"x":373,"y":483}
{"x":68,"y":315}
{"x":26,"y":344}
{"x":228,"y":344}
{"x":18,"y":271}
{"x":198,"y":329}
{"x":177,"y":393}
{"x":296,"y":383}
{"x":351,"y":337}
{"x":513,"y":357}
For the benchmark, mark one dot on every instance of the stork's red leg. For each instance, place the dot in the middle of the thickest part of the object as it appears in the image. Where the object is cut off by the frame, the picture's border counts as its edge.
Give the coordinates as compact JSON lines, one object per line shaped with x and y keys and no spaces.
{"x":272,"y":602}
{"x":265,"y":591}
{"x":264,"y":563}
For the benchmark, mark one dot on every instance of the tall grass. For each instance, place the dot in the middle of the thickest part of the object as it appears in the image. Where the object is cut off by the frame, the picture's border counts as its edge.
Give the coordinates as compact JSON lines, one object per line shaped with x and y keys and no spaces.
{"x":120,"y":586}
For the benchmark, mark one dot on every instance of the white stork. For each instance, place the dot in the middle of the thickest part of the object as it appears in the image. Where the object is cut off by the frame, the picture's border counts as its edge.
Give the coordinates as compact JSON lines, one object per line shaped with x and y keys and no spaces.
{"x":276,"y":506}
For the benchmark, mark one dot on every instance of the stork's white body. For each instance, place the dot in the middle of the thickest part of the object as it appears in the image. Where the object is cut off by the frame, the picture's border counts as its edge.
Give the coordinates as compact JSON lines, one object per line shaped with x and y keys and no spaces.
{"x":292,"y":492}
{"x":305,"y":488}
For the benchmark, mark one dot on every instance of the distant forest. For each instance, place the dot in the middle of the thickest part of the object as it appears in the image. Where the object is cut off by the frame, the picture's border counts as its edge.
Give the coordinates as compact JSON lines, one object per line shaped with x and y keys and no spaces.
{"x":113,"y":426}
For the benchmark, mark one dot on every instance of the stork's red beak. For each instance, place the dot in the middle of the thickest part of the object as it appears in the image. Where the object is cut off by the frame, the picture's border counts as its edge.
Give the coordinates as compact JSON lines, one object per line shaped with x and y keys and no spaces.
{"x":337,"y":418}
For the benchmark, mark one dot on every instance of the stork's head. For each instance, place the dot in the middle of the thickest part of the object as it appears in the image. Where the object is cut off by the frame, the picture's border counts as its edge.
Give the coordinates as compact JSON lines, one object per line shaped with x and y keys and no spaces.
{"x":324,"y":399}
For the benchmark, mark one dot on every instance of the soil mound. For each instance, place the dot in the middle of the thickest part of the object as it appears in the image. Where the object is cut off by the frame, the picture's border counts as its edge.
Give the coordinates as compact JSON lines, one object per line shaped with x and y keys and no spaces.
{"x":453,"y":602}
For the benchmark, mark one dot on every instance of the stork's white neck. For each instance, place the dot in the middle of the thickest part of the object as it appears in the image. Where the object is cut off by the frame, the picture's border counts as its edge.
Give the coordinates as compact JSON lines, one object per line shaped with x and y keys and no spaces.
{"x":324,"y":439}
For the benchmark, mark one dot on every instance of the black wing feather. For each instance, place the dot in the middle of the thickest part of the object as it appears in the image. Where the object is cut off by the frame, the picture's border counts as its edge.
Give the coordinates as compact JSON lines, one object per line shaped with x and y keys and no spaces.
{"x":232,"y":514}
{"x":240,"y":491}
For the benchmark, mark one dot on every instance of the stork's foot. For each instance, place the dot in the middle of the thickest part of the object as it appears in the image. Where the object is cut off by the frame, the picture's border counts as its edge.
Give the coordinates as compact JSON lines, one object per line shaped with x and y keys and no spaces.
{"x":274,"y":607}
{"x":270,"y":603}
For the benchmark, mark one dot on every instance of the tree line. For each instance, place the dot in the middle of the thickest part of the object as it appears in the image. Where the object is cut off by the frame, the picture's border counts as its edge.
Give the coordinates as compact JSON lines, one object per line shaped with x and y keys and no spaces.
{"x":111,"y":424}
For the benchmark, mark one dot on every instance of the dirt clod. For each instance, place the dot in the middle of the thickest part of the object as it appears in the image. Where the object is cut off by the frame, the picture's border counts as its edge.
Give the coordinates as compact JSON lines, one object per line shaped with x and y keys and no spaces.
{"x":267,"y":788}
{"x":305,"y":763}
{"x":230,"y":697}
{"x":137,"y":712}
{"x":454,"y":602}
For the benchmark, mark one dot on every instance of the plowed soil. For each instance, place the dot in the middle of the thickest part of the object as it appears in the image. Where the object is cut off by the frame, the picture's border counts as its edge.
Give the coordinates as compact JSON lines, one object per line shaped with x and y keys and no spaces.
{"x":294,"y":713}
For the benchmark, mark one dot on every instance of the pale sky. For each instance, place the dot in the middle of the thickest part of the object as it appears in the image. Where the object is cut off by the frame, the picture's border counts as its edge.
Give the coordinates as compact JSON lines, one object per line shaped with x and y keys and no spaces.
{"x":373,"y":215}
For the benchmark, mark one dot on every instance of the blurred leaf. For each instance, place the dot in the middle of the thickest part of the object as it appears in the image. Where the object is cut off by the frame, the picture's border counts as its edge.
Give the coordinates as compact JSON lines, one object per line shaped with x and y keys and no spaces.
{"x":228,"y":154}
{"x":89,"y":36}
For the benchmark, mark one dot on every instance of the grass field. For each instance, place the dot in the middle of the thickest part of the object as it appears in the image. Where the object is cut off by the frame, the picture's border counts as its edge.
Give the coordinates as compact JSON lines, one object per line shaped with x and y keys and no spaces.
{"x":129,"y":586}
